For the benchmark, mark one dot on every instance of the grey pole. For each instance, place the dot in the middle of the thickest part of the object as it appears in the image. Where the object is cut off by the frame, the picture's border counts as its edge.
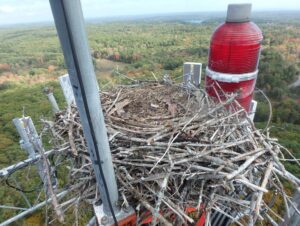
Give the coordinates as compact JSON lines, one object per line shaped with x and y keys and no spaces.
{"x":49,"y":92}
{"x":92,"y":222}
{"x":53,"y":102}
{"x":294,"y":218}
{"x":24,"y":142}
{"x":70,"y":26}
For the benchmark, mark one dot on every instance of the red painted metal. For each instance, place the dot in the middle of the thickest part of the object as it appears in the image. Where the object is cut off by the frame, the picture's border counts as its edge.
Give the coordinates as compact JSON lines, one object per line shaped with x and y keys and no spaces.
{"x":201,"y":220}
{"x":147,"y":216}
{"x":128,"y":221}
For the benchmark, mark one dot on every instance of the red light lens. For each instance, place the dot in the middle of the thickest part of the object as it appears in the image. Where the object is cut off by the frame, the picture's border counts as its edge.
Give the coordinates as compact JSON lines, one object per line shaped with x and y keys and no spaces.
{"x":234,"y":49}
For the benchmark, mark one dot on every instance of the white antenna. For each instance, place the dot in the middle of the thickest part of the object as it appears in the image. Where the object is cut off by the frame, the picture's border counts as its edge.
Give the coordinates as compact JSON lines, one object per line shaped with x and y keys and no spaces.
{"x":66,"y":86}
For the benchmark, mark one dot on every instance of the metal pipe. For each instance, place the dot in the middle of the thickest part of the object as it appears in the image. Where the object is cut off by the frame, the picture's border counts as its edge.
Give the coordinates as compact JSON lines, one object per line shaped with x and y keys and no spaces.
{"x":25,"y":141}
{"x":92,"y":222}
{"x":294,"y":218}
{"x":20,"y":165}
{"x":49,"y":93}
{"x":12,"y":207}
{"x":31,"y":210}
{"x":53,"y":102}
{"x":69,"y":23}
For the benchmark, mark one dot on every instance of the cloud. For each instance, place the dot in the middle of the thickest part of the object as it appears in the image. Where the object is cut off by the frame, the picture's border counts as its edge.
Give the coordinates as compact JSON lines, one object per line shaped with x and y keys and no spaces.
{"x":6,"y":9}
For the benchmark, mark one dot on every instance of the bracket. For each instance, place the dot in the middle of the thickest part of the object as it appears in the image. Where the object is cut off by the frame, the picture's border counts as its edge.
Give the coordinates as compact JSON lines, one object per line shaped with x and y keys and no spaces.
{"x":125,"y":217}
{"x":192,"y":73}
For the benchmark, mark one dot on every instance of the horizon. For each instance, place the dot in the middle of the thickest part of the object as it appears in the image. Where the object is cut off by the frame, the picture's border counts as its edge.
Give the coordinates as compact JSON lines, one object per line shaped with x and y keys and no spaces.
{"x":14,"y":12}
{"x":216,"y":14}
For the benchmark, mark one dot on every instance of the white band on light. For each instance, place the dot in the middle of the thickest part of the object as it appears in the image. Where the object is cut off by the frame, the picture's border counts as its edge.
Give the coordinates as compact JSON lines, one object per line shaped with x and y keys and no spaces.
{"x":233,"y":78}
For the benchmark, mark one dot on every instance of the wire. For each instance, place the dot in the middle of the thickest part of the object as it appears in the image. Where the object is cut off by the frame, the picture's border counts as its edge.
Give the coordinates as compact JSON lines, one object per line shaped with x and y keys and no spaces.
{"x":270,"y":109}
{"x":88,"y":113}
{"x":21,"y":190}
{"x":12,"y":171}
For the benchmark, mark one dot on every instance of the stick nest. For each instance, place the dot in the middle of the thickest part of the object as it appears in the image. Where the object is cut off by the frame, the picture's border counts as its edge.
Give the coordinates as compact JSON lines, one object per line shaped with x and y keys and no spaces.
{"x":179,"y":155}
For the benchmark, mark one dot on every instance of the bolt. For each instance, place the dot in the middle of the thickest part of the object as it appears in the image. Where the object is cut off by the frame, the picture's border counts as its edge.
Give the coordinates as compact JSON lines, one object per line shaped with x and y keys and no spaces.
{"x":98,"y":203}
{"x":104,"y":220}
{"x":126,"y":209}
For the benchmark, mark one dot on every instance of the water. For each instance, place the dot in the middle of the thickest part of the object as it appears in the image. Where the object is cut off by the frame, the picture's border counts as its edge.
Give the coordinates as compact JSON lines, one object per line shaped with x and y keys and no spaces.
{"x":195,"y":21}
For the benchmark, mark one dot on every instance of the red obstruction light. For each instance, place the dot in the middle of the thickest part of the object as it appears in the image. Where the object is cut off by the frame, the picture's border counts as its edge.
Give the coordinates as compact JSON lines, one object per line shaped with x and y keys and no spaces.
{"x":234,"y":56}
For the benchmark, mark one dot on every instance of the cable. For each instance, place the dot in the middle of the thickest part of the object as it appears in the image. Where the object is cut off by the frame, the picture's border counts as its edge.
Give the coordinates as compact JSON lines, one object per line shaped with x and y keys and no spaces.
{"x":88,"y":114}
{"x":270,"y":109}
{"x":21,"y":190}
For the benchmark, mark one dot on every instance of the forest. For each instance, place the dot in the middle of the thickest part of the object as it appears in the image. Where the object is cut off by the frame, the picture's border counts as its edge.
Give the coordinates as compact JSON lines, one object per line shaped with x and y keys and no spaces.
{"x":31,"y":58}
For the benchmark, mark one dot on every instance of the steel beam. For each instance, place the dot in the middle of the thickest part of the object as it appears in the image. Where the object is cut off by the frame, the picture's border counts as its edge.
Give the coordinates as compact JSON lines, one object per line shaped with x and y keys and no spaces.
{"x":70,"y":26}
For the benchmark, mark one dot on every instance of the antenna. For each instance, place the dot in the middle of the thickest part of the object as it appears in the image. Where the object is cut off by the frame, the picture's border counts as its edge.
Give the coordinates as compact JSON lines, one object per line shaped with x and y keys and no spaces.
{"x":31,"y":142}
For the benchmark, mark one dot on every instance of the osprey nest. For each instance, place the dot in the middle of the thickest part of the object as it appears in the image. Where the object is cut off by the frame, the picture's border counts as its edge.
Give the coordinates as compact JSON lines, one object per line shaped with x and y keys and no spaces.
{"x":179,"y":155}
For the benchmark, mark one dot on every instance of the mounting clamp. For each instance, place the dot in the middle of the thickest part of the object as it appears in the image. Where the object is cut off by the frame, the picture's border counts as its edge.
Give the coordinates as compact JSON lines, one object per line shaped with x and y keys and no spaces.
{"x":125,"y":217}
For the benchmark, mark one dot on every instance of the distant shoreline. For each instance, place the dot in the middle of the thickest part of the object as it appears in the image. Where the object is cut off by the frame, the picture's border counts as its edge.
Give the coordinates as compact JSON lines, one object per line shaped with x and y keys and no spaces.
{"x":191,"y":17}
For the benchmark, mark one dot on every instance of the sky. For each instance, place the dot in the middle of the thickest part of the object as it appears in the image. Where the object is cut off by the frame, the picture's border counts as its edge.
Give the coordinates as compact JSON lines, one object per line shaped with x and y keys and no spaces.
{"x":31,"y":11}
